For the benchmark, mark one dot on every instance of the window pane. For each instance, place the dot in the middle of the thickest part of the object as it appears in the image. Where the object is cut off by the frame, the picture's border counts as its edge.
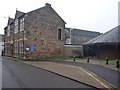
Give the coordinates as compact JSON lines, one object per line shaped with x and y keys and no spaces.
{"x":59,"y":34}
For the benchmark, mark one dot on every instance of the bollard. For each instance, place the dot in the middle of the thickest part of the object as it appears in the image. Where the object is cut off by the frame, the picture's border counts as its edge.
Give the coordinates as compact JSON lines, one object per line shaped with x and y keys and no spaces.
{"x":87,"y":59}
{"x":117,"y":63}
{"x":106,"y":61}
{"x":74,"y":58}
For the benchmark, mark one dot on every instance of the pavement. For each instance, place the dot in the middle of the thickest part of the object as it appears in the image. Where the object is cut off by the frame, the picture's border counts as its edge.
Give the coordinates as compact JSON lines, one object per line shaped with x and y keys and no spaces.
{"x":110,"y":75}
{"x":99,"y":62}
{"x":78,"y":73}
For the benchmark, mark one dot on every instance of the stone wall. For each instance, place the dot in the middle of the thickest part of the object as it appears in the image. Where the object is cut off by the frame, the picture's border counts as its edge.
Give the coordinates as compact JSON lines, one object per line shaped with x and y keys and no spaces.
{"x":41,"y":29}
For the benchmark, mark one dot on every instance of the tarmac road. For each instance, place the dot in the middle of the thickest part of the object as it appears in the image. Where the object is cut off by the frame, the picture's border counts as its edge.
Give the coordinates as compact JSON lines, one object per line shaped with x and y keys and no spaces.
{"x":19,"y":75}
{"x":109,"y":75}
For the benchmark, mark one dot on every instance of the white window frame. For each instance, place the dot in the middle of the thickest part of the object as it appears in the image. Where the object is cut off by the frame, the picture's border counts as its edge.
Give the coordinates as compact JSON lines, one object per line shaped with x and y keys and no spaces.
{"x":16,"y":25}
{"x":22,"y":24}
{"x":21,"y":46}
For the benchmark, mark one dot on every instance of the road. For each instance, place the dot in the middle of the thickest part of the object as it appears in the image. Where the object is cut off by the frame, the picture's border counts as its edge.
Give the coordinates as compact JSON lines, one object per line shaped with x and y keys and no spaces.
{"x":19,"y":75}
{"x":109,"y":75}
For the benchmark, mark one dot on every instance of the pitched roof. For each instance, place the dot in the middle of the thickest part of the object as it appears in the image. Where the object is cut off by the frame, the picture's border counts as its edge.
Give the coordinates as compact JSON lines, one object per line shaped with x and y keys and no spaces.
{"x":19,"y":14}
{"x":80,"y":32}
{"x":49,"y":10}
{"x":112,"y":36}
{"x":10,"y":20}
{"x":85,"y":33}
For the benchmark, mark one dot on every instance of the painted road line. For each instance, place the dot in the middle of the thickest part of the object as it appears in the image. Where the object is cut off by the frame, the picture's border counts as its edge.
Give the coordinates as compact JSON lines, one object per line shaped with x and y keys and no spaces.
{"x":94,"y":76}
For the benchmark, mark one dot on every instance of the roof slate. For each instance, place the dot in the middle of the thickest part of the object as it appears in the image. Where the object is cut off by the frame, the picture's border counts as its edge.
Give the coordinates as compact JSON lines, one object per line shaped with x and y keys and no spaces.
{"x":112,"y":36}
{"x":18,"y":14}
{"x":49,"y":10}
{"x":79,"y":32}
{"x":10,"y":20}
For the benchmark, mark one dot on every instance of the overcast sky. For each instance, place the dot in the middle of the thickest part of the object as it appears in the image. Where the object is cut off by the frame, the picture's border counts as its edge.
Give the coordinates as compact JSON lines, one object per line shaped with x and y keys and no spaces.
{"x":94,"y":15}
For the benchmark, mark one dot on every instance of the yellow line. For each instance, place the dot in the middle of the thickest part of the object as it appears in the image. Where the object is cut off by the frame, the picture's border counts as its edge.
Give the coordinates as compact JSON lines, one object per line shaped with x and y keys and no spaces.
{"x":94,"y":78}
{"x":91,"y":76}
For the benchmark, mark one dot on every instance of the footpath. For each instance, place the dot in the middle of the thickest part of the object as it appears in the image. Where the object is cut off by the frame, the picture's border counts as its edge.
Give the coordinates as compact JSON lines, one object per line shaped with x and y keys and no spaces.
{"x":76,"y":73}
{"x":99,"y":62}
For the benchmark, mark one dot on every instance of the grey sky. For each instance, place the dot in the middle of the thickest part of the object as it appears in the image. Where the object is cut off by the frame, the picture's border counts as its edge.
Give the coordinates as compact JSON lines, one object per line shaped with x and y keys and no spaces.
{"x":94,"y":15}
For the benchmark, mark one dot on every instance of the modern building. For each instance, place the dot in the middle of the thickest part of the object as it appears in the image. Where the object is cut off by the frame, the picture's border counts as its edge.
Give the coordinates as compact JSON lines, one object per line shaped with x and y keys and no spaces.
{"x":36,"y":34}
{"x":104,"y":46}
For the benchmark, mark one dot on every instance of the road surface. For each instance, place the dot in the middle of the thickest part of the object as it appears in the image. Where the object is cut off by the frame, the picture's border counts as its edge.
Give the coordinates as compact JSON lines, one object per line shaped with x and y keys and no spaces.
{"x":19,"y":75}
{"x":109,"y":75}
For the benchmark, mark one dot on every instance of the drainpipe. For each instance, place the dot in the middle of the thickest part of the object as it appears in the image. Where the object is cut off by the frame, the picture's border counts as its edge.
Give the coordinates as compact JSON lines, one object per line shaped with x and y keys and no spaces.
{"x":71,"y":35}
{"x":24,"y":43}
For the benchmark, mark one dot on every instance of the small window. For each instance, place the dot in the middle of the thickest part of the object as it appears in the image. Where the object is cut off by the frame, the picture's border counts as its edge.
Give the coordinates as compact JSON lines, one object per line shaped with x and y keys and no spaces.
{"x":59,"y":34}
{"x":8,"y":31}
{"x":22,"y":24}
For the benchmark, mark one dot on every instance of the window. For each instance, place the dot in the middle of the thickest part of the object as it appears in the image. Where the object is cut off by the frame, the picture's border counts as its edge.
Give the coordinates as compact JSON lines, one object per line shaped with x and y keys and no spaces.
{"x":16,"y":25}
{"x":21,"y":46}
{"x":8,"y":31}
{"x":68,"y":41}
{"x":22,"y":24}
{"x":59,"y":34}
{"x":16,"y":47}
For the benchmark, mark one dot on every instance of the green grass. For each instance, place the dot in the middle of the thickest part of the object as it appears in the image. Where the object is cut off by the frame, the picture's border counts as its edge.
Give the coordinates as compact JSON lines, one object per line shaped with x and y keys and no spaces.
{"x":62,"y":57}
{"x":112,"y":62}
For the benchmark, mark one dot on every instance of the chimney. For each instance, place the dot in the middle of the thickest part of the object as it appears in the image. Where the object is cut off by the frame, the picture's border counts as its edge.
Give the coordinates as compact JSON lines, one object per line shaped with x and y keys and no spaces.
{"x":48,"y":5}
